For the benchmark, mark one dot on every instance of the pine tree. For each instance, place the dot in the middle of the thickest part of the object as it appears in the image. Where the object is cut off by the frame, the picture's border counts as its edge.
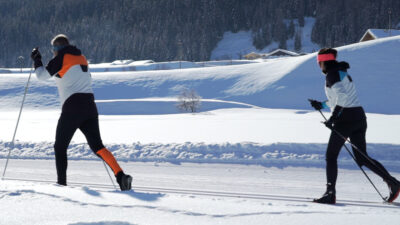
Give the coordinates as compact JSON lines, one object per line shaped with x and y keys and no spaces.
{"x":297,"y":42}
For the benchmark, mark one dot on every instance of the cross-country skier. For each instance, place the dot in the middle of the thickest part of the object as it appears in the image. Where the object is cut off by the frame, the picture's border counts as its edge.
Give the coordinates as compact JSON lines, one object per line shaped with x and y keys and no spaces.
{"x":70,"y":71}
{"x":348,"y":118}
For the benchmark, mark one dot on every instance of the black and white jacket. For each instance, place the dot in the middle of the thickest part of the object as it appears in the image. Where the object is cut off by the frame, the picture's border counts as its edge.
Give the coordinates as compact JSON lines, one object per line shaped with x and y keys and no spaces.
{"x":341,"y":94}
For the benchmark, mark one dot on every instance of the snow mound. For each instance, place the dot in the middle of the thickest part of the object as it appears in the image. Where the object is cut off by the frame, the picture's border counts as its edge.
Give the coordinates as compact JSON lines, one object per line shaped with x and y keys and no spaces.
{"x":273,"y":155}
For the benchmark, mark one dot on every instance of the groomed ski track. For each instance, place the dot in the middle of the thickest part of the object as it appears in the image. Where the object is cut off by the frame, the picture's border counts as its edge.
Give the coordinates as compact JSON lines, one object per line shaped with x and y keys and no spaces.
{"x":286,"y":198}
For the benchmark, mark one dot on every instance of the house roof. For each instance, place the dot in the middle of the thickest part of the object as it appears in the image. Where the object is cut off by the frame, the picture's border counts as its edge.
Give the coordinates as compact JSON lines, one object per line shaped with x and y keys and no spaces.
{"x":282,"y":51}
{"x":381,"y":33}
{"x":252,"y":54}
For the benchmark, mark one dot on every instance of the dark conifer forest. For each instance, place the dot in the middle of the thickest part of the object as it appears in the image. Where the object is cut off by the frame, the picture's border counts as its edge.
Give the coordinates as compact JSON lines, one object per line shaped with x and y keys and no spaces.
{"x":164,"y":30}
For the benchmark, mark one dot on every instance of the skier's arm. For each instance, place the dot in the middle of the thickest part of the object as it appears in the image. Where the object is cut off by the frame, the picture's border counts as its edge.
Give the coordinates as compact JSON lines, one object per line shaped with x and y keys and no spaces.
{"x":50,"y":70}
{"x":55,"y":65}
{"x":339,"y":100}
{"x":339,"y":96}
{"x":42,"y":73}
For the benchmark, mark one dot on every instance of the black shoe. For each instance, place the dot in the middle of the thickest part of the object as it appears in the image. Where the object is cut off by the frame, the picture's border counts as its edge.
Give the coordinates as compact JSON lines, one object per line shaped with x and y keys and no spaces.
{"x":124,"y":181}
{"x":62,"y":182}
{"x":328,"y":198}
{"x":394,"y":189}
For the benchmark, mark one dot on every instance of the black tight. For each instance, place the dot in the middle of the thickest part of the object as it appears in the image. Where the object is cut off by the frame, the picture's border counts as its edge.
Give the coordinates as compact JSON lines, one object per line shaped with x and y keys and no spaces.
{"x":356,"y":132}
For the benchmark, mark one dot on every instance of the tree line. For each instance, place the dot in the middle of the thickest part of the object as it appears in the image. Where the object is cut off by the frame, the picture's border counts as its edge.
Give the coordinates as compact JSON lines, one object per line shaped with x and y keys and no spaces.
{"x":164,"y":30}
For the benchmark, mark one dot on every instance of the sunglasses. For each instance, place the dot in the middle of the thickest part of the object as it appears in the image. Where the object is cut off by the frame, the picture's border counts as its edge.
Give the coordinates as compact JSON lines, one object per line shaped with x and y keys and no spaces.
{"x":57,"y":48}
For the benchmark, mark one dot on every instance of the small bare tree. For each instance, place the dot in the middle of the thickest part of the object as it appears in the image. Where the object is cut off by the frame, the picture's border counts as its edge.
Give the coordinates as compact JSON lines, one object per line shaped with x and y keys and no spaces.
{"x":189,"y":101}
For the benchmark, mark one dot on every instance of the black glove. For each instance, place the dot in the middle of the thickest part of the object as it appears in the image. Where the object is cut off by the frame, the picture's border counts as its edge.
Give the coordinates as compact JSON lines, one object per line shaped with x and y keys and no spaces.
{"x":36,"y":57}
{"x":329,"y":123}
{"x":316,"y":104}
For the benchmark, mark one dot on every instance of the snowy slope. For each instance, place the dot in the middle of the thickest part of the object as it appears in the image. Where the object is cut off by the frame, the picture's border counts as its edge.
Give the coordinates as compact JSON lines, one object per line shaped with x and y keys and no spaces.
{"x":278,"y":83}
{"x":234,"y":45}
{"x":144,"y":65}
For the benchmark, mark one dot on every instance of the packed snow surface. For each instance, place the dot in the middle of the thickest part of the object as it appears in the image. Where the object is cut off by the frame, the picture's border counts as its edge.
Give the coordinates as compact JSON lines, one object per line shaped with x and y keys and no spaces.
{"x":188,"y":194}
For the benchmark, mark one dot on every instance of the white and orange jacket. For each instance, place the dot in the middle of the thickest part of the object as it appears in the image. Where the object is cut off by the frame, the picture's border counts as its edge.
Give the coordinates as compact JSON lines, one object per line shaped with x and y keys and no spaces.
{"x":70,"y":71}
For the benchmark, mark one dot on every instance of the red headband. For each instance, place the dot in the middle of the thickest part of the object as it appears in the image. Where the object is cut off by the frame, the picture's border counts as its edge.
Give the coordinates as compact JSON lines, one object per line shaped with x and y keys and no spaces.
{"x":326,"y":57}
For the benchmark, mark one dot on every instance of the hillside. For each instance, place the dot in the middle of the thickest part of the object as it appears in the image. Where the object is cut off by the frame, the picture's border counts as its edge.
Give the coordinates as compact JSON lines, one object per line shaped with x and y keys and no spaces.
{"x":276,"y":83}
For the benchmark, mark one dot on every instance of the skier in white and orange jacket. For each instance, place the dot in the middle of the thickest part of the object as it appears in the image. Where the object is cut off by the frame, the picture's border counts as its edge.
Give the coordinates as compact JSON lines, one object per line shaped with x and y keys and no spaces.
{"x":70,"y":71}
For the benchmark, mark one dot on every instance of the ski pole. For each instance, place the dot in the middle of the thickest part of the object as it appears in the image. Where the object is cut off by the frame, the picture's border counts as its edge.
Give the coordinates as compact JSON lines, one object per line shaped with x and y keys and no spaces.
{"x":16,"y":126}
{"x":109,"y":175}
{"x":354,"y":158}
{"x":353,"y":145}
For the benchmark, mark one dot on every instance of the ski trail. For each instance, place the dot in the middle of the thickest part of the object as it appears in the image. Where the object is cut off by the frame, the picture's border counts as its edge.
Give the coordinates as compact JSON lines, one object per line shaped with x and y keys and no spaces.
{"x":213,"y":193}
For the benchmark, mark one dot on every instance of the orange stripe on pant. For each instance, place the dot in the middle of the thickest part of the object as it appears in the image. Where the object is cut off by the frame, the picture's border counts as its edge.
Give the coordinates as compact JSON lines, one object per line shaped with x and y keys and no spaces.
{"x":110,"y":160}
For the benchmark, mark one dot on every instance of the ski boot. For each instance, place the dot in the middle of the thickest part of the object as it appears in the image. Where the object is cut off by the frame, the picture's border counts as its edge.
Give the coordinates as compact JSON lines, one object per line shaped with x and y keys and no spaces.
{"x":329,"y":196}
{"x":124,"y":181}
{"x":394,"y":190}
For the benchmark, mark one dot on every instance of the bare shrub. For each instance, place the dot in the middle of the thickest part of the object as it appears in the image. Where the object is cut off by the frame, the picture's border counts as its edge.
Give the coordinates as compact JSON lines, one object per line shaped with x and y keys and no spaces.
{"x":189,"y":101}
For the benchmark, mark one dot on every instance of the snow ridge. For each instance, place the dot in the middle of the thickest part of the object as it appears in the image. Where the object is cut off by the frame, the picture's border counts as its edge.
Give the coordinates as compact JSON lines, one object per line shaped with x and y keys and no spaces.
{"x":248,"y":153}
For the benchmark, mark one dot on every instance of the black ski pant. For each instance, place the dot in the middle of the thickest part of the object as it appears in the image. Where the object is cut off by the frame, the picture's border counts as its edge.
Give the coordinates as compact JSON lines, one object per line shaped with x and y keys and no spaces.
{"x":79,"y":112}
{"x":354,"y":130}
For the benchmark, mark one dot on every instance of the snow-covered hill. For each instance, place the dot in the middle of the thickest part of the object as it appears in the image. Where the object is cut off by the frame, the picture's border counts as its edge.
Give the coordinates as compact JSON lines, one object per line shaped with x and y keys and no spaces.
{"x":276,"y":83}
{"x":236,"y":45}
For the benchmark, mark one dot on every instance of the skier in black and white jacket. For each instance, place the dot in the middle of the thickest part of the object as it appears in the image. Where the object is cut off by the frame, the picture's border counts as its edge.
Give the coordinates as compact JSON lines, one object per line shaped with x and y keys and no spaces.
{"x":348,"y":118}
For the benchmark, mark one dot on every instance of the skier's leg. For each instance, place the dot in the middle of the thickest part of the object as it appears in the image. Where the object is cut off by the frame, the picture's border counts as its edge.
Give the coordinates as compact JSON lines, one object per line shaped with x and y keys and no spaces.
{"x":66,"y":128}
{"x":335,"y":144}
{"x":358,"y":139}
{"x":90,"y":128}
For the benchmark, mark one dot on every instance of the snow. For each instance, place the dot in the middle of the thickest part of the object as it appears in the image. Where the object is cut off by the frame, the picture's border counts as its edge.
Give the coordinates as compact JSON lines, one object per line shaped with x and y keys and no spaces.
{"x":254,"y":152}
{"x":282,"y":51}
{"x":142,"y":65}
{"x":235,"y":125}
{"x":150,"y":65}
{"x":234,"y":45}
{"x":187,"y":194}
{"x":305,"y":32}
{"x":276,"y":83}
